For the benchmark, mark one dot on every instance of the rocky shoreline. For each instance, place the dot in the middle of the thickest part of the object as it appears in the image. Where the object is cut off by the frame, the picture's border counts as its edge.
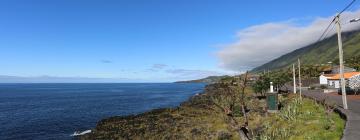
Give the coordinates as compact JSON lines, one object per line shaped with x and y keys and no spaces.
{"x":197,"y":118}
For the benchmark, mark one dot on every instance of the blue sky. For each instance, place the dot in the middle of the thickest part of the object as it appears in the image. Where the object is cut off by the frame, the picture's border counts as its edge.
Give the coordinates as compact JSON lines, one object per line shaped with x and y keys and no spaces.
{"x":146,"y":40}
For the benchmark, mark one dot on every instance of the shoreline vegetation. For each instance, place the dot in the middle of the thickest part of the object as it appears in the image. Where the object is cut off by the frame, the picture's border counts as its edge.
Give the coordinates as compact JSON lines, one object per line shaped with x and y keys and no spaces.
{"x":227,"y":111}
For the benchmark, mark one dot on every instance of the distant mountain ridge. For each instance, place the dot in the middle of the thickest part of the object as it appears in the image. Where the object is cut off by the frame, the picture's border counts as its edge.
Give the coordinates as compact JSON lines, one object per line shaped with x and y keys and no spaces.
{"x":318,"y":53}
{"x":209,"y":80}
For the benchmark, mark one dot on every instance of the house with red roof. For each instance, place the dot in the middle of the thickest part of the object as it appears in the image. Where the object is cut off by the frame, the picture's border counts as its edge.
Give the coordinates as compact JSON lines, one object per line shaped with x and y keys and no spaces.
{"x":352,"y":80}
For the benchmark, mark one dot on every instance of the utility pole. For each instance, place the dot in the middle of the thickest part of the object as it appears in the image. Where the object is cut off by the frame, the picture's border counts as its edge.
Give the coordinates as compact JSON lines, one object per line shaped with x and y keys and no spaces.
{"x":342,"y":80}
{"x":294,"y":80}
{"x":299,"y":77}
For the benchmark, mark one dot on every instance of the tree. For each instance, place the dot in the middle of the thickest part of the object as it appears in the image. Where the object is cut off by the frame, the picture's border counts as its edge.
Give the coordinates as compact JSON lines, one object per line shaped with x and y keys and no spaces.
{"x":242,"y":84}
{"x":231,"y":96}
{"x":353,"y":62}
{"x":261,"y":85}
{"x":279,"y":79}
{"x":231,"y":92}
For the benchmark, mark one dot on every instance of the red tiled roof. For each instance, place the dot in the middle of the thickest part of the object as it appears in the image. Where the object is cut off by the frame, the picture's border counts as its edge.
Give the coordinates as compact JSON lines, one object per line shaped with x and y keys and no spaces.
{"x":347,"y":75}
{"x":329,"y":75}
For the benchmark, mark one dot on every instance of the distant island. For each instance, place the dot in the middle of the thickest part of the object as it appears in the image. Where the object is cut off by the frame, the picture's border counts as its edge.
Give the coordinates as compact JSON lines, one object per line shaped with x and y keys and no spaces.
{"x":208,"y":80}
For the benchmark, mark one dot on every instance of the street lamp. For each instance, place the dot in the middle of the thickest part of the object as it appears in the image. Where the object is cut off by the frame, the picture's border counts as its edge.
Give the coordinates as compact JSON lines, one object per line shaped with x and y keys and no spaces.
{"x":354,"y":20}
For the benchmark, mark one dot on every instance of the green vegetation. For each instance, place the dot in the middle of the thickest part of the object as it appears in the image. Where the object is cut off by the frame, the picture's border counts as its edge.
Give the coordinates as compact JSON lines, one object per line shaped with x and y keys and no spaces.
{"x":224,"y":111}
{"x":279,"y":79}
{"x":198,"y":118}
{"x":353,"y":62}
{"x":318,"y":53}
{"x":303,"y":120}
{"x":206,"y":116}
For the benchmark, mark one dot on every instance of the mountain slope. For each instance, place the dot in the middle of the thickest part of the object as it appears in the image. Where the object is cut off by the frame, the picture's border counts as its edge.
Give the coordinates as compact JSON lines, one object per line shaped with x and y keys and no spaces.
{"x":318,"y":53}
{"x":208,"y":80}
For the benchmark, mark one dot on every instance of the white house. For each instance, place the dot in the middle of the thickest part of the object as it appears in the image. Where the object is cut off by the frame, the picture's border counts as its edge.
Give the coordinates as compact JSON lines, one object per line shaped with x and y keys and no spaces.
{"x":352,"y":80}
{"x":324,"y":78}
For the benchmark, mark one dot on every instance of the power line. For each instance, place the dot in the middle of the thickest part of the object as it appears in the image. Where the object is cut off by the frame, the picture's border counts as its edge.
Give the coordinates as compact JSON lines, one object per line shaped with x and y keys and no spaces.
{"x":344,"y":19}
{"x":331,"y":28}
{"x":327,"y":28}
{"x":332,"y":21}
{"x":351,"y":3}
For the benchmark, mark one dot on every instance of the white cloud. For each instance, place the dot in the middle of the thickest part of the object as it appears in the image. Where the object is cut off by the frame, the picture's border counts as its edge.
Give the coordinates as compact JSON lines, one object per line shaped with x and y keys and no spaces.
{"x":159,"y":66}
{"x":259,"y":44}
{"x":106,"y":61}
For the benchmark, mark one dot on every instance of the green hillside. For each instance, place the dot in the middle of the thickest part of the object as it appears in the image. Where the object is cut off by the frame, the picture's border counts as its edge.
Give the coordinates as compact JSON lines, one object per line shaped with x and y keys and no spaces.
{"x":208,"y":80}
{"x":318,"y":53}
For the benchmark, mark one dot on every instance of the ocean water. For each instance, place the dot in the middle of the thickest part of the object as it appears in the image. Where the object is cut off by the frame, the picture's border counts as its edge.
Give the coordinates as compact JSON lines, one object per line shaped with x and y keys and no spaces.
{"x":56,"y":111}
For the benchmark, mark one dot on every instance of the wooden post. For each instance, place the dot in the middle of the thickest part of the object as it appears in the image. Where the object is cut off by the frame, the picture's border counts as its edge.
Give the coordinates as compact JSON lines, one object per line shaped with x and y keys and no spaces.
{"x":294,"y":80}
{"x":299,"y":77}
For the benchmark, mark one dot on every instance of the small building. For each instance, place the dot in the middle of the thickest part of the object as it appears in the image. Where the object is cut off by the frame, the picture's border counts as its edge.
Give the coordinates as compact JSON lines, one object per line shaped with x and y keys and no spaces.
{"x":324,"y":78}
{"x":253,"y":77}
{"x":336,"y":69}
{"x":352,"y":80}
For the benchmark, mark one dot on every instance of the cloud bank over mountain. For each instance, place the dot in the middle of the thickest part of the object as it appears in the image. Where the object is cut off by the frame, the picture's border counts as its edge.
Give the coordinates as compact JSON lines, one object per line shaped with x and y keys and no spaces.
{"x":259,"y":44}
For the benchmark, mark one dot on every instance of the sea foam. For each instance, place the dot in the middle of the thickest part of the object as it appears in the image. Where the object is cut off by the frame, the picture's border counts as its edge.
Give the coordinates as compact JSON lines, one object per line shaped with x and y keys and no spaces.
{"x":78,"y":133}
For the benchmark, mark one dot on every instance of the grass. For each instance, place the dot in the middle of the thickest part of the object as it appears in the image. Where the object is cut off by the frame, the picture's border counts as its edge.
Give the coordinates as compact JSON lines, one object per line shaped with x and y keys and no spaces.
{"x":303,"y":120}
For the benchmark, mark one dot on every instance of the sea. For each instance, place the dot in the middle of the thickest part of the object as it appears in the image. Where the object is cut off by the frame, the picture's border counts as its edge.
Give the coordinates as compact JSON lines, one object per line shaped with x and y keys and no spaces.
{"x":44,"y":111}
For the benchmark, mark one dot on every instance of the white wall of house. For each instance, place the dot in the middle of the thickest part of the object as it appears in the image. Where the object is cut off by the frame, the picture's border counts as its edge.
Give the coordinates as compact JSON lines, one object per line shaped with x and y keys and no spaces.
{"x":334,"y":83}
{"x":337,"y":84}
{"x":352,"y":83}
{"x":323,"y":80}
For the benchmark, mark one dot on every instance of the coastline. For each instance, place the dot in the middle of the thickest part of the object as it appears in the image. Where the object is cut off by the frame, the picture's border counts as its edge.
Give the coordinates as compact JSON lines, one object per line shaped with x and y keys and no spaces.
{"x":195,"y":118}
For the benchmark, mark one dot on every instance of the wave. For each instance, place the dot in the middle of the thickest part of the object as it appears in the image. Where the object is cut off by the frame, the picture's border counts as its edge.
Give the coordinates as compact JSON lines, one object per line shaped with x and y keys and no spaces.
{"x":79,"y":133}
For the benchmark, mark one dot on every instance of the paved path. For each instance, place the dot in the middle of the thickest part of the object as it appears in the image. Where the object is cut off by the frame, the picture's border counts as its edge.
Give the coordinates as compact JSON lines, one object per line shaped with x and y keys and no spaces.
{"x":352,"y":128}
